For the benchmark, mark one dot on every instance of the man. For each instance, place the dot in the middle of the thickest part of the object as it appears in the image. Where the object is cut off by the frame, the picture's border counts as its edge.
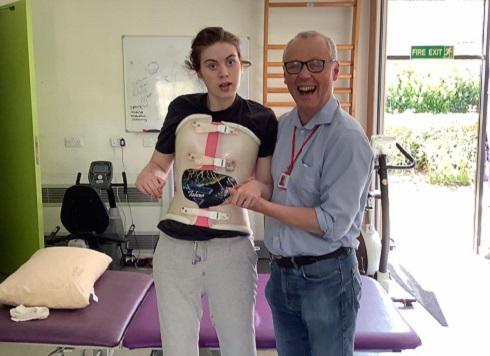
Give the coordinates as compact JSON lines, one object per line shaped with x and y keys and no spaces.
{"x":321,"y":169}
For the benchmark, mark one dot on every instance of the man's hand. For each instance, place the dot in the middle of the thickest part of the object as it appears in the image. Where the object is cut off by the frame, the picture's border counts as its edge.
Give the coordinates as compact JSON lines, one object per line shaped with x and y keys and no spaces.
{"x":246,"y":195}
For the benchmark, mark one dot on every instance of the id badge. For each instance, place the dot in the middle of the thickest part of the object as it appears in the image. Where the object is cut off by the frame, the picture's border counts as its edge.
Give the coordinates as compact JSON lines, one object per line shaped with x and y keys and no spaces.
{"x":283,"y":181}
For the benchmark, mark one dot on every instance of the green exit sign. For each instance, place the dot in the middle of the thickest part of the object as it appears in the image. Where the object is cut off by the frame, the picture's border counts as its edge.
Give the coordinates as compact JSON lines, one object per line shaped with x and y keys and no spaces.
{"x":432,"y":52}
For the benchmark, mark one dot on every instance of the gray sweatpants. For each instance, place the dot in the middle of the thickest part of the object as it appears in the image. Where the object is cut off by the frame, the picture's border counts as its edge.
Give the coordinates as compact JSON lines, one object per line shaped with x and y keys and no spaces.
{"x":223,"y":269}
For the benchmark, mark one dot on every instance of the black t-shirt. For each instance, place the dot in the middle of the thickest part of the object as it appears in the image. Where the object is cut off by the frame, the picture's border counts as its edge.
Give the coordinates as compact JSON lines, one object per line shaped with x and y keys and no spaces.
{"x":254,"y":116}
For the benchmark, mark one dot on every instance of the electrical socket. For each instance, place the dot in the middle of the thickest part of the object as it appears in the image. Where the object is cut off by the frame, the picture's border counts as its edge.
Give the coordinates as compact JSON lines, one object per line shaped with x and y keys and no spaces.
{"x":73,"y":141}
{"x":116,"y":142}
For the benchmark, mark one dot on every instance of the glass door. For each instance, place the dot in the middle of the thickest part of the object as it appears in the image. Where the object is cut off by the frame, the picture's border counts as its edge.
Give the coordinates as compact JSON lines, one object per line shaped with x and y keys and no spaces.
{"x":432,"y":105}
{"x":432,"y":102}
{"x":482,"y":205}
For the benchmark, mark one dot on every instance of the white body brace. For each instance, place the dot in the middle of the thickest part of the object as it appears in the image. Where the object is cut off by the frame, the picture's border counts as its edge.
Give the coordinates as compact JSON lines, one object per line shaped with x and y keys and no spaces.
{"x":210,"y":157}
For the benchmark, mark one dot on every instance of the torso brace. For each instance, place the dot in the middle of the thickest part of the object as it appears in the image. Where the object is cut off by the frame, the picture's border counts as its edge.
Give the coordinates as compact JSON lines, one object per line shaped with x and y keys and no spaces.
{"x":210,"y":157}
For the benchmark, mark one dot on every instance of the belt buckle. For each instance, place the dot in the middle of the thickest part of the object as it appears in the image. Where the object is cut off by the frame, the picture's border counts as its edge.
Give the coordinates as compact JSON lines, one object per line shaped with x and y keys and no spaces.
{"x":288,"y":262}
{"x":277,"y":258}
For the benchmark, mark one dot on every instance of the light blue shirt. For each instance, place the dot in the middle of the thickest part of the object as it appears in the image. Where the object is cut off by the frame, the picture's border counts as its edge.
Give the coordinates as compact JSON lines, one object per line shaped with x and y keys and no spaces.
{"x":331,"y":175}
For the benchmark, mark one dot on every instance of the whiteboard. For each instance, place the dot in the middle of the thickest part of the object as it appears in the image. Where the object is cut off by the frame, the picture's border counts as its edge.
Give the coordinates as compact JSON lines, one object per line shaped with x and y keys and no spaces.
{"x":155,"y":74}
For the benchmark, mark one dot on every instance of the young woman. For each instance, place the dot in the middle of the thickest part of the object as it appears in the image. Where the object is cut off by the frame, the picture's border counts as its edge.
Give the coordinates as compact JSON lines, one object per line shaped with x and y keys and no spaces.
{"x":214,"y":141}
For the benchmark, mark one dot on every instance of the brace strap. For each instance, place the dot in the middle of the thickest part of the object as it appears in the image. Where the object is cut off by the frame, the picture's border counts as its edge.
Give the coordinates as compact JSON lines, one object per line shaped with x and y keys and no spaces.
{"x":214,"y":215}
{"x":203,"y":127}
{"x":229,"y":165}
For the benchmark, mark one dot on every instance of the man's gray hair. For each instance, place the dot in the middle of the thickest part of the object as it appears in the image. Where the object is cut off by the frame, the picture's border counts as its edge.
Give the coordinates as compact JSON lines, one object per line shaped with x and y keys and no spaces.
{"x":332,"y":49}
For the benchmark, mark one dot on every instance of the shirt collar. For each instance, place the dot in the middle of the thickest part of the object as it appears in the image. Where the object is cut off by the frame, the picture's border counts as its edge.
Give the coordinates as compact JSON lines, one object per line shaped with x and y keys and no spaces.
{"x":323,"y":117}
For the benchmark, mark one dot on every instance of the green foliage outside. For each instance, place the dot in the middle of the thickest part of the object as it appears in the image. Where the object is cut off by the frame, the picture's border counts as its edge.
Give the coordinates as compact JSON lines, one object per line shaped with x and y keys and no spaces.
{"x":446,"y":154}
{"x":445,"y":149}
{"x":422,"y":93}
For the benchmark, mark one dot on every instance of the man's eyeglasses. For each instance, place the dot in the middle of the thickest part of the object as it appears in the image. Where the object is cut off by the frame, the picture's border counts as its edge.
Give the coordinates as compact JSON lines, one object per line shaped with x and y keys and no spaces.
{"x":313,"y":65}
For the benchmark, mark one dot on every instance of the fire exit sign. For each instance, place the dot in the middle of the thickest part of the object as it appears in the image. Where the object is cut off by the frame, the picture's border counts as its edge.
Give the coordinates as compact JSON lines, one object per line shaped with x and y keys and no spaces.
{"x":432,"y":52}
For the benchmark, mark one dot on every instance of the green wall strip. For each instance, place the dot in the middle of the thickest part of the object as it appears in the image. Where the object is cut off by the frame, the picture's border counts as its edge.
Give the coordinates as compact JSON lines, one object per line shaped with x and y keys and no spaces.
{"x":21,"y":231}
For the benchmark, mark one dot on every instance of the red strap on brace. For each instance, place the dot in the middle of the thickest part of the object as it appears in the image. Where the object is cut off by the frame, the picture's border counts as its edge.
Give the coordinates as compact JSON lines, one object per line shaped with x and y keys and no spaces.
{"x":210,"y":151}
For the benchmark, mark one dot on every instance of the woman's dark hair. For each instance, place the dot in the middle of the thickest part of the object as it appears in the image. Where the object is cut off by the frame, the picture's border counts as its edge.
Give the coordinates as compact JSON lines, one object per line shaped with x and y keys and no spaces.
{"x":207,"y":37}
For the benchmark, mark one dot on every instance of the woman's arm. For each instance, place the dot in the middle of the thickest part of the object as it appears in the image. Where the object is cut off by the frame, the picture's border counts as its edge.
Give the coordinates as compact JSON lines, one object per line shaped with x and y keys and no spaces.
{"x":153,"y":176}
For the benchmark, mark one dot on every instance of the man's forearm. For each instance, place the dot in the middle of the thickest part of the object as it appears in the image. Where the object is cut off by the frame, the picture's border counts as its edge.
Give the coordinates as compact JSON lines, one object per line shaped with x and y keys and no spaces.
{"x":302,"y":218}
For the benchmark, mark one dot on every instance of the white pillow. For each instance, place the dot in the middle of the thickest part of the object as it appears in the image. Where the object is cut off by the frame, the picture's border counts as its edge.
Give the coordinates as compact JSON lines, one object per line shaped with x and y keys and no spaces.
{"x":55,"y":277}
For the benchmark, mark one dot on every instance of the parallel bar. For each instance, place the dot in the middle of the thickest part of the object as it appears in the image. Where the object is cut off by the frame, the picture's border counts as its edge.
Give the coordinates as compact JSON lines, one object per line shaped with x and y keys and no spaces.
{"x":345,"y":47}
{"x":340,"y":47}
{"x":274,"y":75}
{"x":279,"y":64}
{"x":280,"y":75}
{"x":313,"y":4}
{"x":290,"y":104}
{"x":345,"y":63}
{"x":284,"y":90}
{"x":277,"y":90}
{"x":276,"y":46}
{"x":273,"y":64}
{"x":342,"y":90}
{"x":284,"y":104}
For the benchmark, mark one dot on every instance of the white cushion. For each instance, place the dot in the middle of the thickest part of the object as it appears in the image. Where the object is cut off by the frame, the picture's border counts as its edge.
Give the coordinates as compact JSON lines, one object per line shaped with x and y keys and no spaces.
{"x":55,"y":277}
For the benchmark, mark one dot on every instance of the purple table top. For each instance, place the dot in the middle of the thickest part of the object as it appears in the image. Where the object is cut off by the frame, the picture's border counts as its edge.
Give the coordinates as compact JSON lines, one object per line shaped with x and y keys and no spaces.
{"x":379,"y":324}
{"x":100,"y":324}
{"x":144,"y":329}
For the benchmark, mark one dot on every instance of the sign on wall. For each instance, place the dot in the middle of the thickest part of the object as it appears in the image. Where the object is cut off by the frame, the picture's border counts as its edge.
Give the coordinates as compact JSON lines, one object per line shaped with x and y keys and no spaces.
{"x":432,"y":52}
{"x":155,"y":74}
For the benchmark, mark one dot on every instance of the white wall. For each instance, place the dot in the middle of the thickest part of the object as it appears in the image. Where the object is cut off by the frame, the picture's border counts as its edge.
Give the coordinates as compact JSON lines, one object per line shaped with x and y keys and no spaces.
{"x":80,"y":71}
{"x":79,"y":68}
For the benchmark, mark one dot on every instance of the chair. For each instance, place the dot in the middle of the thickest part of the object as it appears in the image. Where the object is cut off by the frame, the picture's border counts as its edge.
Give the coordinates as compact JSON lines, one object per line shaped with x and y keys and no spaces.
{"x":86,"y":218}
{"x":82,"y":212}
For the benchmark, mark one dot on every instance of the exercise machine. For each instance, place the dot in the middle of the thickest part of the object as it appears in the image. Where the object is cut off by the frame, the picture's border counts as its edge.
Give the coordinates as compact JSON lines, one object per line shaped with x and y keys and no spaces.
{"x":374,"y":249}
{"x":89,"y":222}
{"x":100,"y":177}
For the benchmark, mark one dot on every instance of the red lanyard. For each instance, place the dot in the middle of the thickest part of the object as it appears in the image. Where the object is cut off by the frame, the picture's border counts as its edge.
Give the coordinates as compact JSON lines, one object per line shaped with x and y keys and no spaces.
{"x":293,"y":143}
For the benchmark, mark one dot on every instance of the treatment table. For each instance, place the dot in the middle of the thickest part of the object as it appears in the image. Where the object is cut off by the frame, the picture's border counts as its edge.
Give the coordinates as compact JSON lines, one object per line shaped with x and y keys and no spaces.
{"x":126,"y":316}
{"x":99,"y":326}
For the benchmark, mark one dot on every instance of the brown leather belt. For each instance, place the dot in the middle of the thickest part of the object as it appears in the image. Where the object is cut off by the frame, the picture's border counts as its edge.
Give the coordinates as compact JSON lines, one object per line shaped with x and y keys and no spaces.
{"x":297,"y":261}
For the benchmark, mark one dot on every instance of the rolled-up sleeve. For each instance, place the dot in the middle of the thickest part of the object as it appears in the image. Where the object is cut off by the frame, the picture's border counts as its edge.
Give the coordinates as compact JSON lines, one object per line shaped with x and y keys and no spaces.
{"x":345,"y":178}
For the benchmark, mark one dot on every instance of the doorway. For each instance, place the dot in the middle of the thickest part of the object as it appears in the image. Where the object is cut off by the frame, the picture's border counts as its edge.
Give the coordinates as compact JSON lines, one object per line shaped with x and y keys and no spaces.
{"x":432,"y":106}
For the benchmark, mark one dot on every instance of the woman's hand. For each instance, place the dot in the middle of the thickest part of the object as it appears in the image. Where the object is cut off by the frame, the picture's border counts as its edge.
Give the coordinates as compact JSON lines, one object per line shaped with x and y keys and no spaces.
{"x":151,"y":181}
{"x":153,"y":177}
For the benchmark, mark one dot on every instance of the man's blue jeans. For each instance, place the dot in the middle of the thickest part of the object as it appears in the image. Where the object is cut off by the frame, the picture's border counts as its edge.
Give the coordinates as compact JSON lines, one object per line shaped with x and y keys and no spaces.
{"x":314,"y":307}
